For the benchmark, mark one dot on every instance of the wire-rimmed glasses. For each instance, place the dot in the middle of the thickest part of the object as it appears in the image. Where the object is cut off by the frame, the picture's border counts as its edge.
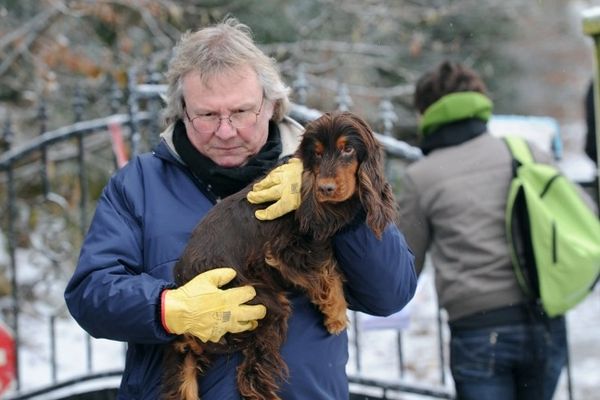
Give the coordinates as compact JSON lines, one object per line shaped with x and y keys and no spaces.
{"x":211,"y":122}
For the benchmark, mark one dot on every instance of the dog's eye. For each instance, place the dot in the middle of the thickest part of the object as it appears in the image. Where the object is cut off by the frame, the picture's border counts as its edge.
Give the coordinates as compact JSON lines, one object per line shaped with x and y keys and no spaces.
{"x":347,"y":150}
{"x":319,"y":149}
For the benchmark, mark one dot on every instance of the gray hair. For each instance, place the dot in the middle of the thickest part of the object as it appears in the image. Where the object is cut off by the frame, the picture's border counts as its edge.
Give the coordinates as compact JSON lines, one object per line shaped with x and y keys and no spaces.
{"x":216,"y":49}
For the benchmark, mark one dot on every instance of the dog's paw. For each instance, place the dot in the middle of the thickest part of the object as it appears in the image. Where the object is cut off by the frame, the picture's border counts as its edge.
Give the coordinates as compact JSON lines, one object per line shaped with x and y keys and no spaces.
{"x":335,"y":326}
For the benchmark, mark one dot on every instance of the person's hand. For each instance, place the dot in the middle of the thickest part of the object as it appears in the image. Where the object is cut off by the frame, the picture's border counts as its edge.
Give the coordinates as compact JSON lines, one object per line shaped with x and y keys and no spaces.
{"x":281,"y":185}
{"x":202,"y":309}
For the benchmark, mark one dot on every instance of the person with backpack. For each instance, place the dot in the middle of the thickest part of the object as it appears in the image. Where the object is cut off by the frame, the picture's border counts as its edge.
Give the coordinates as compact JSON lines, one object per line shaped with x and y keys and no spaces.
{"x":452,"y":206}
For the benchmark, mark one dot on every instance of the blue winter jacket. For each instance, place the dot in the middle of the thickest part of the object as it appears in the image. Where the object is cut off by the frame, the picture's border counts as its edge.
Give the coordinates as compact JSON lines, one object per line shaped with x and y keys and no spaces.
{"x":142,"y":222}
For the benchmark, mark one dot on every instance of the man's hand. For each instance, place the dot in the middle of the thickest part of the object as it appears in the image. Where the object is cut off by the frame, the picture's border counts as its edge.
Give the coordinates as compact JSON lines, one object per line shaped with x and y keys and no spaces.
{"x":281,"y":185}
{"x":202,"y":309}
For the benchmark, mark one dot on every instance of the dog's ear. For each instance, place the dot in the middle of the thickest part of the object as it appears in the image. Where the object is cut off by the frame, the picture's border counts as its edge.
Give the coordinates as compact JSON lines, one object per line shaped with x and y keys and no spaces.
{"x":375,"y":192}
{"x":309,"y":207}
{"x":310,"y":212}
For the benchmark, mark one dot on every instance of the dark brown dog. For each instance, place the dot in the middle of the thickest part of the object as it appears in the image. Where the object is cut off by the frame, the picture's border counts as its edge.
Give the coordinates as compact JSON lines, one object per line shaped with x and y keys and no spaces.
{"x":342,"y":182}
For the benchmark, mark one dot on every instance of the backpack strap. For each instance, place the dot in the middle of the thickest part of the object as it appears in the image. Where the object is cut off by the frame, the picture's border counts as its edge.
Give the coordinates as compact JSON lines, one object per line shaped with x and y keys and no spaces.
{"x":519,"y":149}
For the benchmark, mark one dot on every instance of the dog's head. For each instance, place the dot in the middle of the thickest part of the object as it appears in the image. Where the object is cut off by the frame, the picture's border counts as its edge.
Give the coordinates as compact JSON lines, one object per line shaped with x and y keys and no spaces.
{"x":343,"y":170}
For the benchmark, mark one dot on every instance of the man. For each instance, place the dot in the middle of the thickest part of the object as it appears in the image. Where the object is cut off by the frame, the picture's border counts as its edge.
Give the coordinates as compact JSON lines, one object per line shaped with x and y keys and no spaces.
{"x":226,"y":106}
{"x":453,"y":204}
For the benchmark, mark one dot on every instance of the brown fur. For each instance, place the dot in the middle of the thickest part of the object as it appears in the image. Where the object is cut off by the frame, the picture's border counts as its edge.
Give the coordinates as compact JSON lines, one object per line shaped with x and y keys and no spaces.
{"x":342,"y":183}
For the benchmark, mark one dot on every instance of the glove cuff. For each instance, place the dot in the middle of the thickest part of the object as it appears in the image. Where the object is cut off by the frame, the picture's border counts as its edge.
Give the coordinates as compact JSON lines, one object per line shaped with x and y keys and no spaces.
{"x":163,"y":311}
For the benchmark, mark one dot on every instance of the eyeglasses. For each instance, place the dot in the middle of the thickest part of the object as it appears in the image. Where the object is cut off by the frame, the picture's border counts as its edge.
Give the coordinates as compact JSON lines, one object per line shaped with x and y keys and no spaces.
{"x":211,"y":122}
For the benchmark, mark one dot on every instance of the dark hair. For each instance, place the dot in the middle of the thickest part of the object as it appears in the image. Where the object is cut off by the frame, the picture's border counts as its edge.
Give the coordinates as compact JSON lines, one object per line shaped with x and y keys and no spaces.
{"x":446,"y":78}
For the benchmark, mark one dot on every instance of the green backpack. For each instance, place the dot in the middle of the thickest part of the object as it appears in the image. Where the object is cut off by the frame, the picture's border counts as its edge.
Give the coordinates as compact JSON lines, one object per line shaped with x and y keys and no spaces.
{"x":557,"y":260}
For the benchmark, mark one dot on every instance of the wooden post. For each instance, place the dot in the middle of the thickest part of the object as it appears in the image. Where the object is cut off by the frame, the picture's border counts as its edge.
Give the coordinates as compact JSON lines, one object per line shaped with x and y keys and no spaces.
{"x":591,"y":27}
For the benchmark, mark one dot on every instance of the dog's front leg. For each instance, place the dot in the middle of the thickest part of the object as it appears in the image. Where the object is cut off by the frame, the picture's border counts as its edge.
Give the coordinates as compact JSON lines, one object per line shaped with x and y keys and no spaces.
{"x":328,"y":295}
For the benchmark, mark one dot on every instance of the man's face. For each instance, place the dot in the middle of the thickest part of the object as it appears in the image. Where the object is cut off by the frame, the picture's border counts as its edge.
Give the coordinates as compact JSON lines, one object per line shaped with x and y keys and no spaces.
{"x":237,"y":91}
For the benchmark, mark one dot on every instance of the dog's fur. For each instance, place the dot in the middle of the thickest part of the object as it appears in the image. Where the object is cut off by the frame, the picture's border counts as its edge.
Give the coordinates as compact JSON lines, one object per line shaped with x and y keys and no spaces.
{"x":343,"y":183}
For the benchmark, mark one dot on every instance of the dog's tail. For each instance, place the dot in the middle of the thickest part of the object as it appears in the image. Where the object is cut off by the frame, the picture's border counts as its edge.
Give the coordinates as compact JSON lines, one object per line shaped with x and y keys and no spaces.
{"x":189,"y":381}
{"x":181,"y":369}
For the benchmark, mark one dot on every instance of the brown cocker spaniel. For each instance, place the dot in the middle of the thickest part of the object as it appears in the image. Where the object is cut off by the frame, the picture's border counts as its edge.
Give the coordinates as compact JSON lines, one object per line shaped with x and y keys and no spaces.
{"x":343,"y":182}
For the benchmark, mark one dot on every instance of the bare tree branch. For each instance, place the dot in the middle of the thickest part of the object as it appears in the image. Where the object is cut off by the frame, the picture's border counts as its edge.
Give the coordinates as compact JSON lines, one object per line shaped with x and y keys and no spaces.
{"x":366,"y":49}
{"x":33,"y":32}
{"x":34,"y":25}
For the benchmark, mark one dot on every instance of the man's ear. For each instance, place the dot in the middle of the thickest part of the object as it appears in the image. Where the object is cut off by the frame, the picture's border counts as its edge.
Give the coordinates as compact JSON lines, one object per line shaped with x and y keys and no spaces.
{"x":269,"y":109}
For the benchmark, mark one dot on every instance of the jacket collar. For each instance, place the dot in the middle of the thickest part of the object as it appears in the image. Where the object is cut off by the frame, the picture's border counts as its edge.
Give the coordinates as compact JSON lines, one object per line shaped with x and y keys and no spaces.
{"x":453,"y":134}
{"x":455,"y":107}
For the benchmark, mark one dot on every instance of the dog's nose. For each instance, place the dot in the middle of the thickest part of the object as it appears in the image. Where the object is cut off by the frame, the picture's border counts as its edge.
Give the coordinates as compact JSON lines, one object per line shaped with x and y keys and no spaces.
{"x":327,"y":188}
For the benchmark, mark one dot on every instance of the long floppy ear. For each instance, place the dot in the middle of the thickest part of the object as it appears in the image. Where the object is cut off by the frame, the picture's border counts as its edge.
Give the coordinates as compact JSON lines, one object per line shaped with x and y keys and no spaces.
{"x":374,"y":191}
{"x":309,"y":211}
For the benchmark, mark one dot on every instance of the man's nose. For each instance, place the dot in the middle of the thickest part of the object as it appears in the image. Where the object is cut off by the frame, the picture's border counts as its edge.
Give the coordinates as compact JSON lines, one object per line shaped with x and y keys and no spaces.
{"x":225,"y":130}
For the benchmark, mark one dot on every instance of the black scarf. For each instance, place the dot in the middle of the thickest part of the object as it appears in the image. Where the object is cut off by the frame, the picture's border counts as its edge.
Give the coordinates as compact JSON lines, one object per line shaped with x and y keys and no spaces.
{"x":452,"y":134}
{"x":223,"y":181}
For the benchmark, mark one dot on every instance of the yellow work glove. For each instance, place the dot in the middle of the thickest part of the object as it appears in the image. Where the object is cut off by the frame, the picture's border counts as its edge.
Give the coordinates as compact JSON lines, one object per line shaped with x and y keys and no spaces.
{"x":201,"y":309}
{"x":281,"y":185}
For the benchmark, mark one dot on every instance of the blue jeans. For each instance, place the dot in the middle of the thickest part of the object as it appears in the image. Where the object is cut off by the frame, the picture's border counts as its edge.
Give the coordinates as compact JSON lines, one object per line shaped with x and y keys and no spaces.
{"x":508,"y":362}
